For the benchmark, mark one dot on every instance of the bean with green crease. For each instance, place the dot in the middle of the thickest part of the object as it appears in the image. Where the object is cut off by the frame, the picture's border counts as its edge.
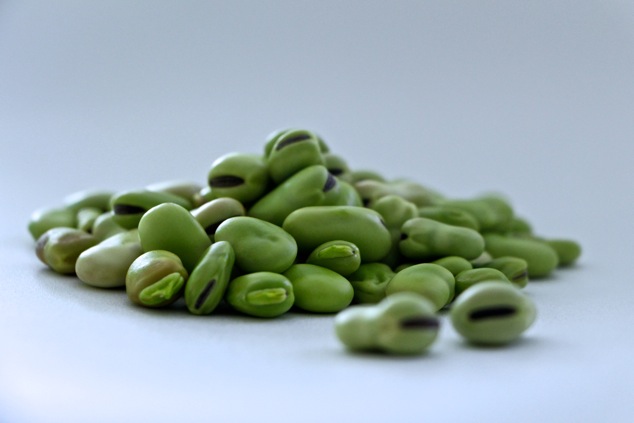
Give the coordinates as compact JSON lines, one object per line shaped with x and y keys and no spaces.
{"x":430,"y":280}
{"x":130,"y":206}
{"x":261,"y":294}
{"x":450,"y":215}
{"x":211,"y":214}
{"x":402,"y":324}
{"x":319,"y":290}
{"x":48,"y":218}
{"x":106,"y":264}
{"x":492,"y":313}
{"x":104,"y":226}
{"x":259,"y":246}
{"x":468,"y":278}
{"x":454,"y":264}
{"x":208,"y":282}
{"x":515,"y":269}
{"x":541,"y":258}
{"x":172,"y":228}
{"x":311,"y":186}
{"x":59,"y":248}
{"x":241,"y":176}
{"x":369,"y":282}
{"x":293,"y":151}
{"x":155,"y":279}
{"x":340,"y":256}
{"x":424,"y":238}
{"x":312,"y":226}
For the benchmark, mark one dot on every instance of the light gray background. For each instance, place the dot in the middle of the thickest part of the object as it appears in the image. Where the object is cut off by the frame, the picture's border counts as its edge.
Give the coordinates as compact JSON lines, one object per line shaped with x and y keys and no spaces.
{"x":533,"y":99}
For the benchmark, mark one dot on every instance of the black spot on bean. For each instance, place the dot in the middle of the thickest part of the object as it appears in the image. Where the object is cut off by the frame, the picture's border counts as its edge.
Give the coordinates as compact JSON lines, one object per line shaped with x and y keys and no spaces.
{"x":292,"y":140}
{"x":492,"y":312}
{"x":225,"y":181}
{"x":205,"y":294}
{"x":126,"y":209}
{"x":421,"y":322}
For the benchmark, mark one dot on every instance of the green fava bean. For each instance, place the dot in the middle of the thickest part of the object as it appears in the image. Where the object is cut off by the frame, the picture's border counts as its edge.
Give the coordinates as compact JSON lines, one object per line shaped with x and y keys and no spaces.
{"x":468,"y":278}
{"x":99,"y":199}
{"x":104,"y":226}
{"x":261,"y":294}
{"x":275,"y":136}
{"x":395,"y":210}
{"x":106,"y":264}
{"x":293,"y":151}
{"x":430,"y":280}
{"x":343,"y":194}
{"x":337,"y":166}
{"x":318,"y":289}
{"x":342,"y":257}
{"x":424,"y":238}
{"x":515,"y":269}
{"x":259,"y":246}
{"x":520,"y":226}
{"x":454,"y":264}
{"x":357,"y":175}
{"x":492,"y":313}
{"x":311,"y":186}
{"x":44,"y":219}
{"x":211,"y":214}
{"x":402,"y":324}
{"x":241,"y":176}
{"x":86,"y":218}
{"x":312,"y":226}
{"x":59,"y":248}
{"x":540,"y":257}
{"x":184,"y":189}
{"x":130,"y":206}
{"x":172,"y":228}
{"x":155,"y":279}
{"x":371,"y":190}
{"x":450,"y":215}
{"x":369,"y":282}
{"x":492,"y":213}
{"x":568,"y":251}
{"x":208,"y":282}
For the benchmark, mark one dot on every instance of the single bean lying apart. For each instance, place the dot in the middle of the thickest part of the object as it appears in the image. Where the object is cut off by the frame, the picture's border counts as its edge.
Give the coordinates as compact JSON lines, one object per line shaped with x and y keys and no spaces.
{"x":294,"y":227}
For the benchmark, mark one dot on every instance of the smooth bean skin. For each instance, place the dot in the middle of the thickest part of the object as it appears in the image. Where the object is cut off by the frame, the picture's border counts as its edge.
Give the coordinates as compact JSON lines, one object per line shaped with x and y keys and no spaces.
{"x":184,"y":189}
{"x":568,"y":251}
{"x":369,"y":282}
{"x":312,"y":226}
{"x":211,"y":214}
{"x":172,"y":228}
{"x":343,"y":195}
{"x":155,"y":279}
{"x":468,"y":278}
{"x":492,"y":213}
{"x":430,"y":280}
{"x":59,"y":248}
{"x":106,"y":264}
{"x":454,"y":264}
{"x":371,"y":190}
{"x":274,"y":136}
{"x":515,"y":269}
{"x":492,"y":313}
{"x":42,"y":220}
{"x":130,"y":206}
{"x":337,"y":166}
{"x":402,"y":324}
{"x":105,"y":226}
{"x":424,"y":239}
{"x":294,"y":150}
{"x":319,"y":290}
{"x":450,"y":215}
{"x":259,"y":246}
{"x":395,"y":211}
{"x":310,"y":186}
{"x":94,"y":198}
{"x":261,"y":294}
{"x":241,"y":176}
{"x":339,"y":256}
{"x":541,"y":259}
{"x":520,"y":226}
{"x":208,"y":282}
{"x":86,"y":218}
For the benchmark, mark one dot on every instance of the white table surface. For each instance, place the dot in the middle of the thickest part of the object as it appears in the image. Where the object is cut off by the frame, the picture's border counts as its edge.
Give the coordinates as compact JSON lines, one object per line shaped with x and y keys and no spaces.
{"x":531,"y":99}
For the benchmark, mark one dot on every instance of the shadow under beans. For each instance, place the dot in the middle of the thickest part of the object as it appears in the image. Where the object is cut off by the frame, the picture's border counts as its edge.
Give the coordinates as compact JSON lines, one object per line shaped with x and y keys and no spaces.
{"x":523,"y":344}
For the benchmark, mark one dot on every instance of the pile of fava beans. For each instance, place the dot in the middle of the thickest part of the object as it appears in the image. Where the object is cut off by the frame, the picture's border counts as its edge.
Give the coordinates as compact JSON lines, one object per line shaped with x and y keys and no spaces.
{"x":295,"y":228}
